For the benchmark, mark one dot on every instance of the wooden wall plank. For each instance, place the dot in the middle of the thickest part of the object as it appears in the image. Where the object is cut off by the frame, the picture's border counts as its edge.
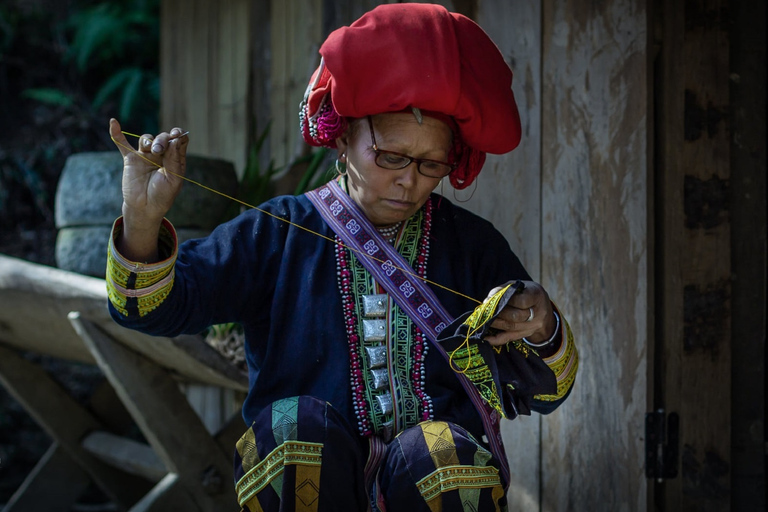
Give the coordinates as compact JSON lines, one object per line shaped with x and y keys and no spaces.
{"x":669,"y":129}
{"x":508,"y":188}
{"x":205,"y":71}
{"x":594,"y":247}
{"x":296,"y":38}
{"x":508,"y":194}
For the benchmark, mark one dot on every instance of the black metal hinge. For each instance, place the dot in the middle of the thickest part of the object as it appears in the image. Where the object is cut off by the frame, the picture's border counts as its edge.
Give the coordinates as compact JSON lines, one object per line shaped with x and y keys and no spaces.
{"x":662,"y":444}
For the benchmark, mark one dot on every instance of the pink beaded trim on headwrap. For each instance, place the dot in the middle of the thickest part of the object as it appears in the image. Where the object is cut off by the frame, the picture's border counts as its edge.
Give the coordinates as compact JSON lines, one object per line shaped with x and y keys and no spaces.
{"x":324,"y":126}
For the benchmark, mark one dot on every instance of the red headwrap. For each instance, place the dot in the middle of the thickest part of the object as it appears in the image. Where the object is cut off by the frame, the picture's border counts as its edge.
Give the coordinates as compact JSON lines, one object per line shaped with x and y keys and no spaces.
{"x":406,"y":55}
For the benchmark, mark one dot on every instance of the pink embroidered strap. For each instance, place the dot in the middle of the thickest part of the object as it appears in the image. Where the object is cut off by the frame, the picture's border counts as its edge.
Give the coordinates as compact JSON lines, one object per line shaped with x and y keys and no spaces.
{"x":413,"y":296}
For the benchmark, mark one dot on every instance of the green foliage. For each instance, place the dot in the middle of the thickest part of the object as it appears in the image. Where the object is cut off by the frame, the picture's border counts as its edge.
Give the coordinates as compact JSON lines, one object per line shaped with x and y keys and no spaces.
{"x":50,"y":96}
{"x":316,"y":173}
{"x":258,"y":183}
{"x":65,"y":69}
{"x":103,"y":35}
{"x":111,"y":48}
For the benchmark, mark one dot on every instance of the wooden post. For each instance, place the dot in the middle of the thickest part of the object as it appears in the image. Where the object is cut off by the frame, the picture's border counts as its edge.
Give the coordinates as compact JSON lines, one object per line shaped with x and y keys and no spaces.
{"x":296,"y":39}
{"x":748,"y":258}
{"x":695,"y":263}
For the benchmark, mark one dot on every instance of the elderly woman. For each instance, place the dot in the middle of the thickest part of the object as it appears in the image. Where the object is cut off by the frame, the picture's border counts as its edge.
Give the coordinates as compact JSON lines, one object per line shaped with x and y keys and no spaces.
{"x":365,"y":393}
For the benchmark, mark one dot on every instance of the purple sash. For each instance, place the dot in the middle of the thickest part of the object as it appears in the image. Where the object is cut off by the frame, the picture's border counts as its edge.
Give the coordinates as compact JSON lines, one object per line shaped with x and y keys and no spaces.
{"x":413,"y":296}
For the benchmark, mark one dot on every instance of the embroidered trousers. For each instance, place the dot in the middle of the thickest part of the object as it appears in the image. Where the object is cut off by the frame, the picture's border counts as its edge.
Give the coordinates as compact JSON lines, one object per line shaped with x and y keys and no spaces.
{"x":301,"y":455}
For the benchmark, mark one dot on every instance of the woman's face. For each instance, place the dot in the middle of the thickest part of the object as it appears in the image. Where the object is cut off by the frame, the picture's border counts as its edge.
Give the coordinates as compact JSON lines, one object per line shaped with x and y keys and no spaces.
{"x":388,"y":196}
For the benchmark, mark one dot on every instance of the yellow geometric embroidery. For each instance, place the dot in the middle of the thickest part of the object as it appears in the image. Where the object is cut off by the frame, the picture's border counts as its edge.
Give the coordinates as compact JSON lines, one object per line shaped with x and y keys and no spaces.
{"x":564,"y":364}
{"x":449,"y":478}
{"x":152,"y":282}
{"x":486,"y":310}
{"x":440,"y":443}
{"x":246,"y":448}
{"x":307,"y":487}
{"x":469,"y":359}
{"x":297,"y":453}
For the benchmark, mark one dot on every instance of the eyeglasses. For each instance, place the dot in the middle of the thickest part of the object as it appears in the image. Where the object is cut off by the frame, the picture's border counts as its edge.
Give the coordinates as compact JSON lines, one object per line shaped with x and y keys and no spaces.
{"x":393,"y":161}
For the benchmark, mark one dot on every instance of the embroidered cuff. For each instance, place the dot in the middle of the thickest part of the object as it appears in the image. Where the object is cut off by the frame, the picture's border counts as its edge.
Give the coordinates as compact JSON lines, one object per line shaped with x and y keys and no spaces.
{"x":135,"y":289}
{"x":564,"y":363}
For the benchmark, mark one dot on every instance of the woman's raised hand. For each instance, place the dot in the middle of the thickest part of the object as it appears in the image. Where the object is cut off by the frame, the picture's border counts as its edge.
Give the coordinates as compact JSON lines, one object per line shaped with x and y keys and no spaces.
{"x":148,"y":190}
{"x":151,"y":183}
{"x":528,"y":314}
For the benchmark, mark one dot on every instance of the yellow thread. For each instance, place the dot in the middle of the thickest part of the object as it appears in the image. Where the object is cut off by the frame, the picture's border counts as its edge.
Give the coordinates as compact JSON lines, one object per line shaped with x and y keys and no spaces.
{"x":410,"y":273}
{"x":476,"y":320}
{"x":465,"y":342}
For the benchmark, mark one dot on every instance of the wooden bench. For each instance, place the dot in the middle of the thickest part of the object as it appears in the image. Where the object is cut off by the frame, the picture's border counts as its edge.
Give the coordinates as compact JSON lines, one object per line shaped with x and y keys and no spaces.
{"x":183,"y":467}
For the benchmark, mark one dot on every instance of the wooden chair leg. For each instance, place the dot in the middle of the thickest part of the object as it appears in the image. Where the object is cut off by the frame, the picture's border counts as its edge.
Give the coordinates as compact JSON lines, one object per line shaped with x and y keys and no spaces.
{"x":168,"y":494}
{"x":67,"y":422}
{"x":166,"y":419}
{"x":54,"y":485}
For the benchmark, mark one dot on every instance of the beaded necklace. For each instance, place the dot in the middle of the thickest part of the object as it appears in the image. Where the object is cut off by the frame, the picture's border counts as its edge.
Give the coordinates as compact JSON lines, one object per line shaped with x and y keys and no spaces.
{"x":390,"y":233}
{"x":345,"y":264}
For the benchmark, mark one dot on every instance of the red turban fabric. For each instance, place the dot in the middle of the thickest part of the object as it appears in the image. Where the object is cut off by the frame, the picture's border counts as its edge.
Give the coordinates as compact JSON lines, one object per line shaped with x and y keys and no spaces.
{"x":399,"y":56}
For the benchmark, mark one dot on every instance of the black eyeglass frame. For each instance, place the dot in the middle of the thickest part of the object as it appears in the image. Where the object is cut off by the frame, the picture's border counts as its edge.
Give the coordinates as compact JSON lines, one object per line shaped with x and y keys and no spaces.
{"x":408,"y":159}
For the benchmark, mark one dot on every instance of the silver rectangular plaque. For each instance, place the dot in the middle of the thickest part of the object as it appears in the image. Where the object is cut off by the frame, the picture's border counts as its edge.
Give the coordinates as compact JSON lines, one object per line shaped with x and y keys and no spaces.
{"x":374,"y":305}
{"x":374,"y":330}
{"x":387,"y":430}
{"x":377,"y":356}
{"x":385,"y":403}
{"x":380,"y":378}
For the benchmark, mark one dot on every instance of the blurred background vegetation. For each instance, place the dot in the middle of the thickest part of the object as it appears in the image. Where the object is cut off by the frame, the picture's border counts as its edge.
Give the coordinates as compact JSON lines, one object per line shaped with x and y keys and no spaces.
{"x":66,"y":67}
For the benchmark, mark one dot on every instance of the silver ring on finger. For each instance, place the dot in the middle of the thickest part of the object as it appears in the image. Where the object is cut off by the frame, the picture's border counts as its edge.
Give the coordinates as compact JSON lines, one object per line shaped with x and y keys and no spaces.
{"x":530,"y":314}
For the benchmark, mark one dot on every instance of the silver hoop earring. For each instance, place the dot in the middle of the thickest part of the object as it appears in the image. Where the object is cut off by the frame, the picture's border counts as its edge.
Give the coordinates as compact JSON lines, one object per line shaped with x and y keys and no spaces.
{"x":338,"y":168}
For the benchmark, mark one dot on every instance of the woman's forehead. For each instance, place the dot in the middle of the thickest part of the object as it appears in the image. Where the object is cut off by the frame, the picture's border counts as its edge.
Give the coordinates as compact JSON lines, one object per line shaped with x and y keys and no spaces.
{"x":403,"y":127}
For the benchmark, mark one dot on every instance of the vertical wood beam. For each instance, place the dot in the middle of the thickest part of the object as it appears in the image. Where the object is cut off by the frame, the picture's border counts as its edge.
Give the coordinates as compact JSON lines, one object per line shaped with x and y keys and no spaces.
{"x":669,"y":19}
{"x":695,"y":251}
{"x":296,"y":39}
{"x":205,"y":69}
{"x":509,"y":195}
{"x":706,"y":270}
{"x":748,"y":257}
{"x":595,"y":195}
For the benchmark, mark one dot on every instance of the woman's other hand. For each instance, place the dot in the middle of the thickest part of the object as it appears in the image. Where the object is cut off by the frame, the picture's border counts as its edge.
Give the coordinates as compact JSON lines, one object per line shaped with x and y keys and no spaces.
{"x":528,"y":314}
{"x":150,"y":185}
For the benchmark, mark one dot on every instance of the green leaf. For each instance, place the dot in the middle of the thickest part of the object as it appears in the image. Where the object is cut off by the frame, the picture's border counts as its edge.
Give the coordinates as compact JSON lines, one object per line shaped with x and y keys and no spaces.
{"x":111,"y":86}
{"x":49,"y":96}
{"x":311,"y":171}
{"x":131,"y":92}
{"x":100,"y":28}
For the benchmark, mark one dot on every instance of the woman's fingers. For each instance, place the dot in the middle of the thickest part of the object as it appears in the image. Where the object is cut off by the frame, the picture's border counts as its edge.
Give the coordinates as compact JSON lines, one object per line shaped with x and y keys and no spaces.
{"x":145,"y":143}
{"x":115,"y":131}
{"x":526,"y":314}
